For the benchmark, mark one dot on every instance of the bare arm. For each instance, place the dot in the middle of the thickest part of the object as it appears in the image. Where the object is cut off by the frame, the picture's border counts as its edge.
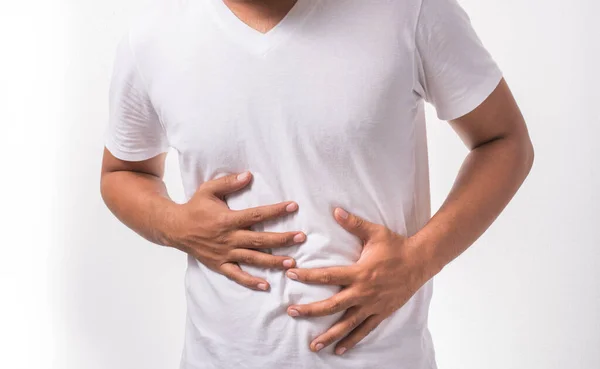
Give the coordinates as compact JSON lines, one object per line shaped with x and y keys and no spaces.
{"x":501,"y":156}
{"x":136,"y":194}
{"x":204,"y":227}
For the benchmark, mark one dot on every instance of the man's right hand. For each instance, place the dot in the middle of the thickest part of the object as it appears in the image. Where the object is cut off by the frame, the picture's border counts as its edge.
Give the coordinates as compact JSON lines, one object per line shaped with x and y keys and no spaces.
{"x":220,"y":238}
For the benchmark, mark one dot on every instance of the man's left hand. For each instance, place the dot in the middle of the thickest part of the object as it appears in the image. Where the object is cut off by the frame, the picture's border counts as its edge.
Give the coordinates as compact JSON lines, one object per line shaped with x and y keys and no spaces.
{"x":390,"y":270}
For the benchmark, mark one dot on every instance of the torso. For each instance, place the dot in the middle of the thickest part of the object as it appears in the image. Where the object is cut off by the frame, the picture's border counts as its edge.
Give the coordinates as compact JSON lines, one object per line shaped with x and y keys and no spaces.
{"x":321,"y":109}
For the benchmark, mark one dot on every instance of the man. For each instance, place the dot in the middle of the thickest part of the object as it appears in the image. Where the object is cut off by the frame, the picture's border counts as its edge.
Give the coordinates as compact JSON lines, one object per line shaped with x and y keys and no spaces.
{"x":300,"y":131}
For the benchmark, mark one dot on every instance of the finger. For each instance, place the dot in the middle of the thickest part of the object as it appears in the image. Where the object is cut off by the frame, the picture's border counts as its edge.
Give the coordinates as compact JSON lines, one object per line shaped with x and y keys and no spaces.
{"x":358,"y":334}
{"x":260,"y":259}
{"x":355,"y":224}
{"x":236,"y":274}
{"x":349,"y":321}
{"x":222,"y":186}
{"x":261,"y":240}
{"x":338,"y":302}
{"x":336,"y":275}
{"x":247,"y":217}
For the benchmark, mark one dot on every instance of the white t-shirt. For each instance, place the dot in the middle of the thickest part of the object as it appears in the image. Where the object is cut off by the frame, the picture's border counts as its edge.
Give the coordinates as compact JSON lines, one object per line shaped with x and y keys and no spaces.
{"x":325,"y":109}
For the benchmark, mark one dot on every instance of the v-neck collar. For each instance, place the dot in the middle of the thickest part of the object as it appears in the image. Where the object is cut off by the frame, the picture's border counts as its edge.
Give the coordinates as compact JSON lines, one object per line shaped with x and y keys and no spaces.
{"x":252,"y":39}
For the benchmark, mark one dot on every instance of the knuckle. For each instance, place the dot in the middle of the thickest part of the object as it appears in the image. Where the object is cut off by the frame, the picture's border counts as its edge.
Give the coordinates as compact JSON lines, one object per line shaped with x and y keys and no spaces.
{"x":277,"y":212}
{"x":382,"y":233}
{"x":224,"y":272}
{"x":275,"y":261}
{"x":325,"y":278}
{"x":238,"y":278}
{"x":221,"y":238}
{"x":202,"y":190}
{"x":214,"y":259}
{"x":229,"y":179}
{"x":239,"y":221}
{"x":366,"y":293}
{"x":376,"y":276}
{"x":354,"y":322}
{"x":329,"y":339}
{"x":358,"y":222}
{"x":272,"y":210}
{"x":230,"y":242}
{"x":361,"y":275}
{"x":367,"y":276}
{"x":221,"y":220}
{"x":256,"y":242}
{"x":247,"y":259}
{"x":333,"y":306}
{"x":255,"y":215}
{"x":244,"y":281}
{"x":280,"y":210}
{"x":248,"y":217}
{"x":310,"y":312}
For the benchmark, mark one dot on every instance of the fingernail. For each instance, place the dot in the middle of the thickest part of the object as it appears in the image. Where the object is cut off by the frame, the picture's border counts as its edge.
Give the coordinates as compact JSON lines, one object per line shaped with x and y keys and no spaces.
{"x":293,"y":312}
{"x":340,"y":350}
{"x":291,"y":207}
{"x":299,"y":237}
{"x":292,"y":275}
{"x":263,"y":286}
{"x":243,"y":176}
{"x":342,"y":213}
{"x":288,"y":263}
{"x":319,"y":346}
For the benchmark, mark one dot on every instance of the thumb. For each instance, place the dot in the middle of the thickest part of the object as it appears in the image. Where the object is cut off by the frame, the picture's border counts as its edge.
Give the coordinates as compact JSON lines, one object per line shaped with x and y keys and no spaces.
{"x":354,"y":224}
{"x":224,"y":185}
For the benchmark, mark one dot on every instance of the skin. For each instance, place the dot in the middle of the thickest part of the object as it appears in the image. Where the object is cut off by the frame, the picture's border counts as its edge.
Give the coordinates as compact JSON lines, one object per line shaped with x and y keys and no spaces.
{"x":500,"y":158}
{"x":262,"y":15}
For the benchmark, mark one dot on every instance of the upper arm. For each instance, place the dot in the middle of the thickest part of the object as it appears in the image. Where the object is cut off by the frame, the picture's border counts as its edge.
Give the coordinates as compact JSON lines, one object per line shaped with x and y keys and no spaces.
{"x":460,"y":78}
{"x":498,"y":116}
{"x":154,"y":166}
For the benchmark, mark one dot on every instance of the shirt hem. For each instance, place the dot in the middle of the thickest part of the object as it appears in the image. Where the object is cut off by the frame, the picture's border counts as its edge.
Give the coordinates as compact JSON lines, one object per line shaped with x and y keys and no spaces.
{"x":121,"y":154}
{"x":475,"y":97}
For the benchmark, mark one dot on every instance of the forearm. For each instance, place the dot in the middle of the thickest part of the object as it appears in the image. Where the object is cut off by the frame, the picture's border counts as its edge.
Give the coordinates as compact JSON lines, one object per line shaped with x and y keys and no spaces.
{"x":141,"y":202}
{"x":488,"y":179}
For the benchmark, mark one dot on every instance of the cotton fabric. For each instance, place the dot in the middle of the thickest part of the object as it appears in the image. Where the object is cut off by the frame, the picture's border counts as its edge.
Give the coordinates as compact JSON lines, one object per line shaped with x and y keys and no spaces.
{"x":325,"y":109}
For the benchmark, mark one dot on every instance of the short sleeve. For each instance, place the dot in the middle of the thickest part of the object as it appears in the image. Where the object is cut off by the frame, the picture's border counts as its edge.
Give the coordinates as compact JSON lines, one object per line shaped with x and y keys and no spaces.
{"x":456,"y":73}
{"x":134,"y":131}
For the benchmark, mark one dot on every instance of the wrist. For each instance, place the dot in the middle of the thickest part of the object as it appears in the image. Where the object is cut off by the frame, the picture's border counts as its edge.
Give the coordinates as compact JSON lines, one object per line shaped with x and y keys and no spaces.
{"x":167,"y":226}
{"x":425,"y":254}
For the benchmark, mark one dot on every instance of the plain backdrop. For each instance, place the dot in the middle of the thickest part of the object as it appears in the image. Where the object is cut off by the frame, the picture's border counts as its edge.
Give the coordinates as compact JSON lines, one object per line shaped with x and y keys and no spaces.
{"x":79,"y":290}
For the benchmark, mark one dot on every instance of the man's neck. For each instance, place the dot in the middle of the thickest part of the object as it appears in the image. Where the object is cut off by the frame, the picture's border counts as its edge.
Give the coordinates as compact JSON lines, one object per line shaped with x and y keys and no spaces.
{"x":262,"y":15}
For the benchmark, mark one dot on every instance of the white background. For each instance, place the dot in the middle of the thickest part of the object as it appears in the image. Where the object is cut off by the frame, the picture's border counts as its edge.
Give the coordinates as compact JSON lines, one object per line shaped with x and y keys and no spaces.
{"x":79,"y":290}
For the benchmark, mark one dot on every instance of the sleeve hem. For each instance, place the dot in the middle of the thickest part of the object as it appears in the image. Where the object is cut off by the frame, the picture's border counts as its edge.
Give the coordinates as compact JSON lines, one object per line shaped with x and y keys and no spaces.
{"x":476,"y":96}
{"x":141,"y":155}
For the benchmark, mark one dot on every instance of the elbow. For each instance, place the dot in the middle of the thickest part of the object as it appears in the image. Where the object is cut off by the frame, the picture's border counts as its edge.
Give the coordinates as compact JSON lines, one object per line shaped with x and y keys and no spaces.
{"x":104,"y":188}
{"x":526,"y":154}
{"x":529,"y":155}
{"x":521,"y":152}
